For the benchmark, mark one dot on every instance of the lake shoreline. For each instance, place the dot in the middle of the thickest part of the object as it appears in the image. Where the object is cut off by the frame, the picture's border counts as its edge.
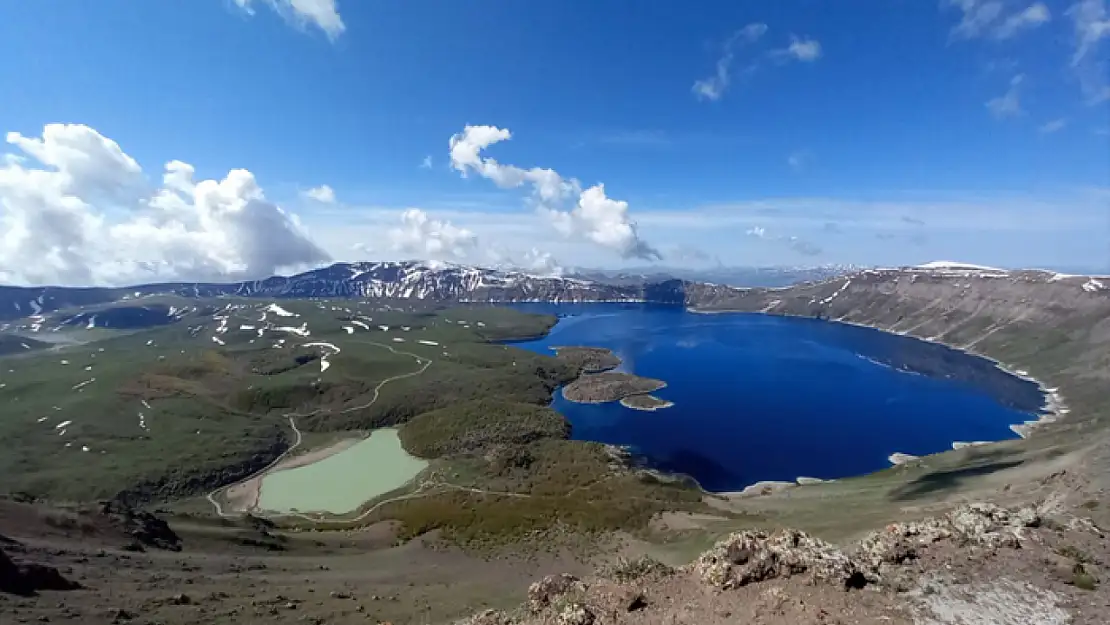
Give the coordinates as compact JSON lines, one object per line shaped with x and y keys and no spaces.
{"x":1051,"y":407}
{"x":244,"y":496}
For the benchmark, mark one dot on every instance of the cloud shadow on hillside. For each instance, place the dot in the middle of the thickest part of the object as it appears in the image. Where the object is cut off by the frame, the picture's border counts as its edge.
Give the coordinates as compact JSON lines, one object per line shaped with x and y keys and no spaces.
{"x":947,"y":481}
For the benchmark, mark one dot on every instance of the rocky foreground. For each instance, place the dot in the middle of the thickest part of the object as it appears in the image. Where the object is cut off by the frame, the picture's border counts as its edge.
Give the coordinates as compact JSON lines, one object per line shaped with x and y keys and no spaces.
{"x":980,"y":564}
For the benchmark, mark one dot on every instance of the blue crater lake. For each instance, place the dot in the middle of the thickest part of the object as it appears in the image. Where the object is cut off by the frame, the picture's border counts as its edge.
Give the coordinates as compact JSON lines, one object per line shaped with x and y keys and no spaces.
{"x":758,"y":397}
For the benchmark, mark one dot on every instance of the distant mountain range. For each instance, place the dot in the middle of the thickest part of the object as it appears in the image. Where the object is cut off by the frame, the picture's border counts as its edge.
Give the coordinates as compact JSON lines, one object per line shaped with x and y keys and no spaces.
{"x":448,"y":282}
{"x":422,"y":280}
{"x":730,"y":276}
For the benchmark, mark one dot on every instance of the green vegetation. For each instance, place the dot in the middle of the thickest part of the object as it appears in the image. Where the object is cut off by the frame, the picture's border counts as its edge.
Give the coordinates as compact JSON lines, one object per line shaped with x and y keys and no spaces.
{"x":177,"y":410}
{"x":1083,"y":580}
{"x":645,"y":402}
{"x":12,"y":344}
{"x":1074,"y":553}
{"x":588,"y":359}
{"x":534,"y":488}
{"x":478,"y":424}
{"x":609,"y":386}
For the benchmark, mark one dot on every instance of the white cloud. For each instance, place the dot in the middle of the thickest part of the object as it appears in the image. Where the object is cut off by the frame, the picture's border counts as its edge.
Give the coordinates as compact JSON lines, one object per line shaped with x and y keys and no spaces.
{"x":323,"y":14}
{"x":713,"y":87}
{"x":82,"y":214}
{"x":1091,"y":25}
{"x":805,"y":50}
{"x":1032,"y":16}
{"x":420,"y":235}
{"x":594,"y":217}
{"x":1053,"y":126}
{"x":322,"y":193}
{"x":800,"y":246}
{"x":997,"y":19}
{"x":426,"y":163}
{"x":541,"y":263}
{"x":1009,"y":103}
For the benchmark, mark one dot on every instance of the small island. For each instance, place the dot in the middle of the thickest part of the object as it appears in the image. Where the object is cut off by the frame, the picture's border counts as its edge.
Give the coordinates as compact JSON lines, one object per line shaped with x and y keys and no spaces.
{"x":599,"y":388}
{"x":588,"y":359}
{"x":646,"y":402}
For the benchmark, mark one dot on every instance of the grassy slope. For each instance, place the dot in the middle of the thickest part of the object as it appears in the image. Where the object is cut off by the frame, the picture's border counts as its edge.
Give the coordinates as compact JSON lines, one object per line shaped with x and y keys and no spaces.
{"x":216,"y":410}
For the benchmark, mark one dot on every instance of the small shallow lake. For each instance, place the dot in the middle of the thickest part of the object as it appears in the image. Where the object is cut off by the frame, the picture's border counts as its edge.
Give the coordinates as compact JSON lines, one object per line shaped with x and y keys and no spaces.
{"x":341,"y":483}
{"x":759,"y":397}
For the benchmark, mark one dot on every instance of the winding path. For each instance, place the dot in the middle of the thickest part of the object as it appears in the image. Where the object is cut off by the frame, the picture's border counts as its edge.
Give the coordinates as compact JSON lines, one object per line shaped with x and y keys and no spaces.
{"x":424,"y":362}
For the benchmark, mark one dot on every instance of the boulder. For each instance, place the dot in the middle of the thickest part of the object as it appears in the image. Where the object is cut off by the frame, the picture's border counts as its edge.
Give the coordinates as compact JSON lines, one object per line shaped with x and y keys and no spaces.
{"x":544,"y":592}
{"x":754,"y":555}
{"x":143,"y":526}
{"x":25,"y":579}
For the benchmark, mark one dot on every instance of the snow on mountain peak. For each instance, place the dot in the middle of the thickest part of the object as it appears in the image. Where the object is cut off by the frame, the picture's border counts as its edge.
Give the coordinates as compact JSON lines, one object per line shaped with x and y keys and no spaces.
{"x":955,"y":266}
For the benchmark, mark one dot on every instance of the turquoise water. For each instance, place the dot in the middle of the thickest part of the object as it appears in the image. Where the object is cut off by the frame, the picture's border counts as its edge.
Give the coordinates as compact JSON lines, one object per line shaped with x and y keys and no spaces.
{"x":341,"y":483}
{"x":759,"y":397}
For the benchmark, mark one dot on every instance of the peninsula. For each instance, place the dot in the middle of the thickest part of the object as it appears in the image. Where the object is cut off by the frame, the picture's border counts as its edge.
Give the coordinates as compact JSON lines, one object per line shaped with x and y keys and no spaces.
{"x":588,"y":359}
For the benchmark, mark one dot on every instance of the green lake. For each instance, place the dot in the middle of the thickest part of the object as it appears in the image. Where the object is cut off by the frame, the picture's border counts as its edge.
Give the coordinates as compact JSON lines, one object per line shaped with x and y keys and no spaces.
{"x":343,"y":482}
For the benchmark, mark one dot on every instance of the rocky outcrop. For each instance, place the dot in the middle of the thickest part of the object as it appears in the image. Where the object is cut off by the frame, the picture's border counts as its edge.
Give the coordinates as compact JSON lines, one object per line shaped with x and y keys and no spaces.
{"x":28,"y":578}
{"x":754,"y":556}
{"x":141,"y":525}
{"x":545,"y":592}
{"x":787,"y":576}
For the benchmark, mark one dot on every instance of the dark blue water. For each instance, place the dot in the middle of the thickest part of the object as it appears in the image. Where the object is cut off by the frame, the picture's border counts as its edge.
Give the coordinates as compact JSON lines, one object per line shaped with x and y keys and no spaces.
{"x":770,"y":398}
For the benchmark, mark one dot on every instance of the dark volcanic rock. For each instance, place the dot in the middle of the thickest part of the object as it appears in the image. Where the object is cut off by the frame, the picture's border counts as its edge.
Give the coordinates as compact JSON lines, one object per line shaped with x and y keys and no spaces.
{"x":26,"y":579}
{"x":143,"y":526}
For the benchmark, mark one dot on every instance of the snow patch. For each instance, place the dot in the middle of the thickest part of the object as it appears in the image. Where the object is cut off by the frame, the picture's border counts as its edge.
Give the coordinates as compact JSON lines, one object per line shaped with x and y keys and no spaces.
{"x":948,"y":264}
{"x":81,"y":385}
{"x":279,"y":311}
{"x":424,"y":342}
{"x":218,"y":341}
{"x":301,"y":331}
{"x":1093,"y":285}
{"x":349,"y":329}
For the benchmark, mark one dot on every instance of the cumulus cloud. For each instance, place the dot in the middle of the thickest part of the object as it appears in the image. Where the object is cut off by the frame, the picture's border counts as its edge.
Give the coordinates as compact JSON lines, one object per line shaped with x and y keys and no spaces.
{"x":322,"y":193}
{"x":996,"y":19}
{"x":420,"y":235}
{"x":588,"y":213}
{"x":323,"y":14}
{"x":1091,"y":25}
{"x":800,"y":246}
{"x":538,"y":262}
{"x":76,"y":210}
{"x":1009,"y":103}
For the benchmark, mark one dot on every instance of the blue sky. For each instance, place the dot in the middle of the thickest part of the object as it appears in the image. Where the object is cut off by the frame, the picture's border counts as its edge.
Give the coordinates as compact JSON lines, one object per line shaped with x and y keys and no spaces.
{"x":892,"y":132}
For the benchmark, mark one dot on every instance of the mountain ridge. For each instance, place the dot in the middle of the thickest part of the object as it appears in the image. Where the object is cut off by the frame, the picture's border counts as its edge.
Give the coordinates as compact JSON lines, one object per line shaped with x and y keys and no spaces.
{"x":450,"y":282}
